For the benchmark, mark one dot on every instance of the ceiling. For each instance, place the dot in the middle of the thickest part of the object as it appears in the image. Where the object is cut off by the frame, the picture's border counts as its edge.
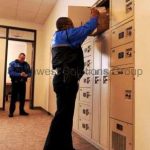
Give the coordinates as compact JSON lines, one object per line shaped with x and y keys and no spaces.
{"x":35,"y":11}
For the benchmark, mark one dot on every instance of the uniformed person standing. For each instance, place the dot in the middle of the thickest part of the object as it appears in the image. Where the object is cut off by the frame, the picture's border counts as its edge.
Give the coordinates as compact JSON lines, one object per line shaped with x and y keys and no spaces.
{"x":67,"y":60}
{"x":19,"y":71}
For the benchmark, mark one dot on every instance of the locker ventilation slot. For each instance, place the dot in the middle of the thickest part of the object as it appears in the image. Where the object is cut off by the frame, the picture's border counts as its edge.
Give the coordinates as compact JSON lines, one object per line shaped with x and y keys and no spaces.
{"x":118,"y":141}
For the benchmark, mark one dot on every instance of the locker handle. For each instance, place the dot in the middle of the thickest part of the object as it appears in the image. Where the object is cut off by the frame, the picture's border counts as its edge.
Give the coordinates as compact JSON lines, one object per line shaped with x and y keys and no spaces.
{"x":105,"y":79}
{"x":129,"y":31}
{"x":97,"y":79}
{"x":129,"y":52}
{"x":86,"y":94}
{"x":87,"y":112}
{"x":119,"y":127}
{"x":120,"y":72}
{"x":87,"y":127}
{"x":121,"y":35}
{"x":128,"y":94}
{"x":120,"y":55}
{"x":129,"y":7}
{"x":83,"y":126}
{"x":88,"y":80}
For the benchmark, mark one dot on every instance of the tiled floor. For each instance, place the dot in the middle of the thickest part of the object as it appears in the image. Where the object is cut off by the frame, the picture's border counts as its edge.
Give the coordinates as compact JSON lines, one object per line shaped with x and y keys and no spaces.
{"x":29,"y":133}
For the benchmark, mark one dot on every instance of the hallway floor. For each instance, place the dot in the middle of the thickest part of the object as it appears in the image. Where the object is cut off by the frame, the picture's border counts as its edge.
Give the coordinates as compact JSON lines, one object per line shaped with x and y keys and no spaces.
{"x":29,"y":133}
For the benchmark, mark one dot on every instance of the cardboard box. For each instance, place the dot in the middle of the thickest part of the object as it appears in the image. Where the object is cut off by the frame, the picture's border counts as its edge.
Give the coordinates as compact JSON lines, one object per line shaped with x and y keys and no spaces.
{"x":103,"y":21}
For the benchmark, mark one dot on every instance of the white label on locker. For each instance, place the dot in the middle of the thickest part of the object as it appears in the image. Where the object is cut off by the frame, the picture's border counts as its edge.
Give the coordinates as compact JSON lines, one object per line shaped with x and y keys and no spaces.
{"x":86,"y":95}
{"x":123,"y":34}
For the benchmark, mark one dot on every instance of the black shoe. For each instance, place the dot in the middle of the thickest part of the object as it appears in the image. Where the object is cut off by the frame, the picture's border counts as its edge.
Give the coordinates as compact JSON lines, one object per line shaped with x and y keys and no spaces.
{"x":24,"y":113}
{"x":10,"y":115}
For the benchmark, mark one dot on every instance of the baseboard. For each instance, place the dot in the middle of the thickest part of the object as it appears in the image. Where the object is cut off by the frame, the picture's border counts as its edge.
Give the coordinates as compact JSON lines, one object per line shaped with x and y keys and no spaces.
{"x":1,"y":109}
{"x":89,"y":140}
{"x":42,"y":109}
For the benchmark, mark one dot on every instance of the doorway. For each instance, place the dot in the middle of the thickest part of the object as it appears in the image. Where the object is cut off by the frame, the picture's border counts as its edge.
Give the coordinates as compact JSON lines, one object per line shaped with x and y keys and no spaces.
{"x":14,"y":41}
{"x":14,"y":49}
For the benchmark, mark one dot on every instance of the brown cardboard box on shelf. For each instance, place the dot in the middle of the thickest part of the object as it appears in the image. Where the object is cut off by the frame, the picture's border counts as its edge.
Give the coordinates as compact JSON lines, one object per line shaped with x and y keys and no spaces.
{"x":103,"y":21}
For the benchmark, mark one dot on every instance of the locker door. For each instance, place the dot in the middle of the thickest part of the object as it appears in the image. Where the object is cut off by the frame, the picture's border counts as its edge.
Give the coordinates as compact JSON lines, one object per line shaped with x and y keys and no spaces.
{"x":121,"y":135}
{"x":86,"y":81}
{"x":88,"y":63}
{"x":87,"y":47}
{"x":123,"y":34}
{"x":86,"y":95}
{"x":85,"y":127}
{"x":121,"y":10}
{"x":122,"y":89}
{"x":2,"y":68}
{"x":85,"y":111}
{"x":122,"y":55}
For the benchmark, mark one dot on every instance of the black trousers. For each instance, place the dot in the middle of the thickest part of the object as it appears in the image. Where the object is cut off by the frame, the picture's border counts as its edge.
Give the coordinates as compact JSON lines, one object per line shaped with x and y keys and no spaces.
{"x":18,"y":91}
{"x":60,"y":133}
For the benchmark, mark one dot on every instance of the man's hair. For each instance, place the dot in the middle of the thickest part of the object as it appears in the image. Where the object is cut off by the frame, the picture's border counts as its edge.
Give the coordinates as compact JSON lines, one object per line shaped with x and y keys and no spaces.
{"x":22,"y":54}
{"x":62,"y":22}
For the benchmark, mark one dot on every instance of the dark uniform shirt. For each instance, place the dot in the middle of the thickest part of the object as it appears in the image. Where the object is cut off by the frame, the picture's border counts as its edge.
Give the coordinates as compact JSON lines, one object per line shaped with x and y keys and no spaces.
{"x":66,"y":46}
{"x":15,"y":69}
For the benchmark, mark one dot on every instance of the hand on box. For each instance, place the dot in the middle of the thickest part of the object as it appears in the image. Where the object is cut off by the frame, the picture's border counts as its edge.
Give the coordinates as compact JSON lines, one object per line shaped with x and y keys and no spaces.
{"x":94,"y":12}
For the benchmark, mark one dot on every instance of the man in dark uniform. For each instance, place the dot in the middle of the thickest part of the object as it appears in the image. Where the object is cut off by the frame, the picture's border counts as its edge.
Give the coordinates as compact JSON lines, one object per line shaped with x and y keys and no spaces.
{"x":19,"y":71}
{"x":67,"y":60}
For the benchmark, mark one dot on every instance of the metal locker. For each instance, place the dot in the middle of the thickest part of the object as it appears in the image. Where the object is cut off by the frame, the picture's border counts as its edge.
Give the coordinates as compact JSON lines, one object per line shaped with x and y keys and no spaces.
{"x":121,"y":135}
{"x":122,"y":55}
{"x":85,"y":127}
{"x":85,"y":111}
{"x":121,"y":10}
{"x":86,"y":95}
{"x":123,"y":34}
{"x":86,"y":81}
{"x":122,"y":94}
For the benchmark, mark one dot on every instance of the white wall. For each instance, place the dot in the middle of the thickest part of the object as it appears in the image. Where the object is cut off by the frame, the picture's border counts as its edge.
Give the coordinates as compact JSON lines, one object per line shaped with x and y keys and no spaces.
{"x":142,"y":83}
{"x":43,"y":93}
{"x":2,"y":61}
{"x":60,"y":10}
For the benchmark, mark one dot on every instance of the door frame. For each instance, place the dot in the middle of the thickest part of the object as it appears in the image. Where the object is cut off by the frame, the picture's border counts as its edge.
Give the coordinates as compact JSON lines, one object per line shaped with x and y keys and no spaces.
{"x":33,"y":58}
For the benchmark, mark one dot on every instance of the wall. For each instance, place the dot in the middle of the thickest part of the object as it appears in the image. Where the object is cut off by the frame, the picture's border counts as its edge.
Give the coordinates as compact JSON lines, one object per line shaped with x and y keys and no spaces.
{"x":142,"y":83}
{"x":39,"y":86}
{"x":60,"y":9}
{"x":2,"y":60}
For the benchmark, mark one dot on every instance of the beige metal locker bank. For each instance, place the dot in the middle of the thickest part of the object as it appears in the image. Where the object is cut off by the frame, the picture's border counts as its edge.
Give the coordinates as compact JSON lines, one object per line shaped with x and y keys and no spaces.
{"x":112,"y":108}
